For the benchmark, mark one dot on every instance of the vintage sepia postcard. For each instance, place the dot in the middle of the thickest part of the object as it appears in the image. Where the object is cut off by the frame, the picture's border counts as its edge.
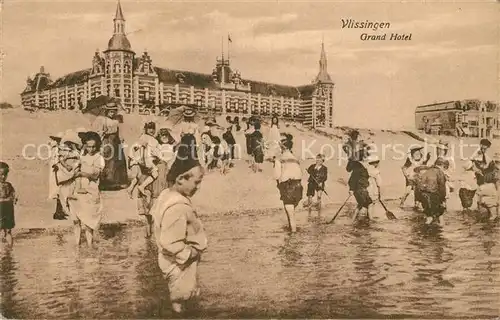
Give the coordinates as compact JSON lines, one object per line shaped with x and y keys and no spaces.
{"x":249,"y":159}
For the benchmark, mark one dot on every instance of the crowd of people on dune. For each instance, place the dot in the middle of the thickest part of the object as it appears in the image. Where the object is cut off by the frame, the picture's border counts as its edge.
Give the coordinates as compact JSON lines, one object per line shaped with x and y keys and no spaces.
{"x":166,"y":165}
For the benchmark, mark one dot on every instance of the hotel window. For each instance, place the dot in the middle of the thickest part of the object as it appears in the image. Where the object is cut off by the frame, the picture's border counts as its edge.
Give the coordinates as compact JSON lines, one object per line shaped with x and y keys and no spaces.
{"x":116,"y":67}
{"x":199,"y":101}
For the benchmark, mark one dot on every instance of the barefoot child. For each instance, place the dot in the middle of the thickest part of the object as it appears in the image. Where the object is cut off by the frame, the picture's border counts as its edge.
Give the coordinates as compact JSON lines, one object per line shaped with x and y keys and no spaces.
{"x":432,"y":186}
{"x":468,"y":185}
{"x":134,"y":162}
{"x":179,"y":233}
{"x":288,"y":174}
{"x":488,"y":191}
{"x":414,"y":162}
{"x":318,"y":174}
{"x":257,"y":143}
{"x":7,"y":201}
{"x":149,"y":144}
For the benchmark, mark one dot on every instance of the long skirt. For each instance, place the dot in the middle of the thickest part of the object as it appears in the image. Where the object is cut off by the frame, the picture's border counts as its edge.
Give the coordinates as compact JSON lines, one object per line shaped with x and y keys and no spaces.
{"x":362,"y":198}
{"x":466,"y":197}
{"x":182,"y":281}
{"x":87,"y":209}
{"x":156,"y":187}
{"x":291,"y":191}
{"x":114,"y":176}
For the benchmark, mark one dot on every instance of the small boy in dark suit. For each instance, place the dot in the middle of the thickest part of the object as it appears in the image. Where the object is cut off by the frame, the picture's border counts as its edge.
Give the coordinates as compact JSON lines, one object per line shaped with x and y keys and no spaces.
{"x":318,"y":174}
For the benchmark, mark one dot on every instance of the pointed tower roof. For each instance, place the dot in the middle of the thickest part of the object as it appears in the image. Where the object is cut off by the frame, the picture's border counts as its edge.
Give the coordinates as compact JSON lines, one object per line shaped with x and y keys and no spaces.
{"x":323,"y":76}
{"x":119,"y":39}
{"x":119,"y":12}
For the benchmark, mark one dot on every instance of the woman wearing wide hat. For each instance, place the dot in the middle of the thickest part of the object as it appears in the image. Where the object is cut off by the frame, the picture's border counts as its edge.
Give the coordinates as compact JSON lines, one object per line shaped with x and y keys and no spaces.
{"x":114,"y":176}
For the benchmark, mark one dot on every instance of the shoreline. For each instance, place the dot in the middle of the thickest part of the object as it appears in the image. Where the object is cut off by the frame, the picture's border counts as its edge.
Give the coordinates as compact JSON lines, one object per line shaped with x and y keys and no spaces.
{"x":65,"y":226}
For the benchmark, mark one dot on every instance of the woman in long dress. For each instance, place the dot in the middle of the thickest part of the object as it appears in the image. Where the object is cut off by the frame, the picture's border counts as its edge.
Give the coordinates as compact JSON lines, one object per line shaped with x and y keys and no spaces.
{"x":85,"y":209}
{"x":179,"y":233}
{"x":273,"y":138}
{"x":114,"y":175}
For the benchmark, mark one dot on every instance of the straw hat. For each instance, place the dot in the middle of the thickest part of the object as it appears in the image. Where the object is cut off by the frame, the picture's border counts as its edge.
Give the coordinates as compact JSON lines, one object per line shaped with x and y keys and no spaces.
{"x":71,"y":137}
{"x":442,"y":145}
{"x":189,"y":113}
{"x":112,"y":105}
{"x":414,"y":149}
{"x":372,"y":159}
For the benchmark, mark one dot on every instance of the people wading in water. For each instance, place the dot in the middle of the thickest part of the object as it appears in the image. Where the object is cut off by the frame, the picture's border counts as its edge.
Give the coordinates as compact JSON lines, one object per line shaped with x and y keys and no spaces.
{"x":288,"y":175}
{"x":414,"y":163}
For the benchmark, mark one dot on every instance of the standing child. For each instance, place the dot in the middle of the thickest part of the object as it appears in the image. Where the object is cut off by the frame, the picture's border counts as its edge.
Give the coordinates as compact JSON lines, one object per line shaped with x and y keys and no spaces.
{"x":432,"y":186}
{"x":468,"y":186}
{"x":318,"y":174}
{"x":53,"y":187}
{"x":414,"y":163}
{"x":7,"y":200}
{"x":288,"y":175}
{"x":358,"y":185}
{"x":248,"y":141}
{"x":257,"y":143}
{"x":231,"y":142}
{"x":149,"y":144}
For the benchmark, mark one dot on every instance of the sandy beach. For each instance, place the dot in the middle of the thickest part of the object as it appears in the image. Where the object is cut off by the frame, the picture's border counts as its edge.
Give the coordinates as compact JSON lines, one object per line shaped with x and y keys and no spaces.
{"x":240,"y":190}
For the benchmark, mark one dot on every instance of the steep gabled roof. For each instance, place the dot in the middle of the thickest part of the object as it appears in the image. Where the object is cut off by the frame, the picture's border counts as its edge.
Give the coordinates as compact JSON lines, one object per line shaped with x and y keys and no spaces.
{"x":39,"y":83}
{"x":267,"y":89}
{"x":203,"y":80}
{"x":306,"y":90}
{"x":72,"y":78}
{"x":195,"y":79}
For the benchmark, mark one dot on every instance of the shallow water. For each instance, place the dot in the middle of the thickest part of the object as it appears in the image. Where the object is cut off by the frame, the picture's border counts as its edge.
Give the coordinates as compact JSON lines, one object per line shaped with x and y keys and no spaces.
{"x":255,"y":269}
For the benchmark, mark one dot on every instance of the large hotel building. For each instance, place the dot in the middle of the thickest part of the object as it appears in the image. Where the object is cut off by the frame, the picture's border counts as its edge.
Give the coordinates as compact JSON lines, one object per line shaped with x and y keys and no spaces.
{"x":142,"y":87}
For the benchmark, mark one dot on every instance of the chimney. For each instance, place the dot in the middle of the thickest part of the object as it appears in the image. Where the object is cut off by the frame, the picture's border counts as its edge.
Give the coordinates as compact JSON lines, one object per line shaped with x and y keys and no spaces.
{"x":42,"y":69}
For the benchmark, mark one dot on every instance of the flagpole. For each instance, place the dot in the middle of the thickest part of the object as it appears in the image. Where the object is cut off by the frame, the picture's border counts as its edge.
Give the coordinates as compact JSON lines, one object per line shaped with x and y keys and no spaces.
{"x":222,"y":47}
{"x":228,"y":51}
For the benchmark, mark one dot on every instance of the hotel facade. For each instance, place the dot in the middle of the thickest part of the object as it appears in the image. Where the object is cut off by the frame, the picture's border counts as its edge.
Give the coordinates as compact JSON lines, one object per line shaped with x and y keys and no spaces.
{"x":144,"y":88}
{"x":464,"y":118}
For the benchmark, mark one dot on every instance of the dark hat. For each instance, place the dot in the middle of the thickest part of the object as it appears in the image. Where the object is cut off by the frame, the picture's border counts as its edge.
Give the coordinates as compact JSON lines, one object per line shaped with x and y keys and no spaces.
{"x":353,"y":132}
{"x":485,"y":142}
{"x":414,"y":149}
{"x":4,"y":166}
{"x":189,"y":112}
{"x":57,"y":138}
{"x":186,"y":158}
{"x":150,"y":125}
{"x":90,"y":135}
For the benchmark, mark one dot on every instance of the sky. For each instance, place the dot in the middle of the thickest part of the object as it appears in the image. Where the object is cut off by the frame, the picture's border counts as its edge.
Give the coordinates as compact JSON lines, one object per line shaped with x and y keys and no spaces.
{"x":453,"y":52}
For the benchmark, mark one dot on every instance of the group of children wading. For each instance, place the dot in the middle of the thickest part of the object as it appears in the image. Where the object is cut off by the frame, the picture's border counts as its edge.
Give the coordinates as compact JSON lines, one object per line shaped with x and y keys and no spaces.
{"x":430,"y":178}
